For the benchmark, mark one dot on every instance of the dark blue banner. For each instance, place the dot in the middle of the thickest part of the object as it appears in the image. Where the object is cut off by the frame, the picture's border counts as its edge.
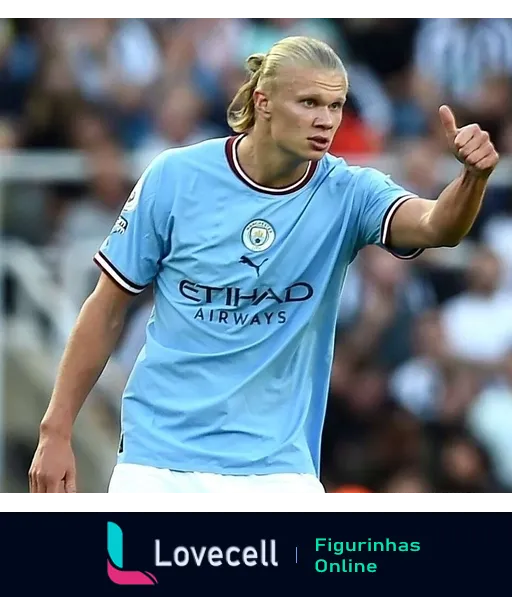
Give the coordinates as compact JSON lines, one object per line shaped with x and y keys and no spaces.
{"x":266,"y":553}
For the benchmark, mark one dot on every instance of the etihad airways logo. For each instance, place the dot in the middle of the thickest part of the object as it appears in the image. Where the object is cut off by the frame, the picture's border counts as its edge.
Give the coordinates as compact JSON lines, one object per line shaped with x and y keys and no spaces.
{"x":165,"y":555}
{"x":214,"y":298}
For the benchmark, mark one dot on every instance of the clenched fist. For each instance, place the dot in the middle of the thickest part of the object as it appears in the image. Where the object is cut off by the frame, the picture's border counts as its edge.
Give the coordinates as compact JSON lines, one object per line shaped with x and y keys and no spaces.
{"x":470,"y":144}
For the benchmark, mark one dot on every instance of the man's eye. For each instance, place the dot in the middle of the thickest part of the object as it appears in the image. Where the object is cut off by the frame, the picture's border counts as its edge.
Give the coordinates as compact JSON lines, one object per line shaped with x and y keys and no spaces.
{"x":309,"y":103}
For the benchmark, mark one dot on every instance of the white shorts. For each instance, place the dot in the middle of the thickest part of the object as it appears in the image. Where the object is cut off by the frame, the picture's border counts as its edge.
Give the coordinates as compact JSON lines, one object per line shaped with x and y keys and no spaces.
{"x":137,"y":478}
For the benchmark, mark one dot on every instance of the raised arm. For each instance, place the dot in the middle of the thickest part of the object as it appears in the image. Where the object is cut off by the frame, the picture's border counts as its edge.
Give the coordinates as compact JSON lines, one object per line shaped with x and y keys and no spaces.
{"x":446,"y":221}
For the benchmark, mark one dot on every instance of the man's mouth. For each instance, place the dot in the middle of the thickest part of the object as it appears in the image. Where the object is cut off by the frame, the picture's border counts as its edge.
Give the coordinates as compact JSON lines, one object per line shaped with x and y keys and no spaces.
{"x":319,"y":141}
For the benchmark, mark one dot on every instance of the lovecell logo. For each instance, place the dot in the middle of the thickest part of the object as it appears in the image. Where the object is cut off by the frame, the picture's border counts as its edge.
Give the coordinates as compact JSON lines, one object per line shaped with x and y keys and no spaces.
{"x":115,"y":569}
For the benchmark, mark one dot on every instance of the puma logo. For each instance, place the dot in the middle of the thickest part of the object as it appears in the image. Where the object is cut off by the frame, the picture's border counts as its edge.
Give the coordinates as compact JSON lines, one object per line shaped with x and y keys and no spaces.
{"x":250,"y":263}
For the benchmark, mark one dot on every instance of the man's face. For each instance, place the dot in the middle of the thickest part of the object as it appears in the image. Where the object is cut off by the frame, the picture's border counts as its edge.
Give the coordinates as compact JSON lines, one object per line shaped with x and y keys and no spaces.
{"x":304,"y":109}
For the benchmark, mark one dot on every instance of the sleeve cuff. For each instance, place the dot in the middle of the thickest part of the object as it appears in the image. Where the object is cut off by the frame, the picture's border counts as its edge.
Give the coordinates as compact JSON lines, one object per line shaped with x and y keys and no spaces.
{"x":116,"y":276}
{"x":386,"y":230}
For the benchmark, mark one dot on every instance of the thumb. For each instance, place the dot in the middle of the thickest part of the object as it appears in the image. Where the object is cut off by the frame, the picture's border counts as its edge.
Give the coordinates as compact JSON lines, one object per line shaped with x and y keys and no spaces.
{"x":448,"y":120}
{"x":70,"y":482}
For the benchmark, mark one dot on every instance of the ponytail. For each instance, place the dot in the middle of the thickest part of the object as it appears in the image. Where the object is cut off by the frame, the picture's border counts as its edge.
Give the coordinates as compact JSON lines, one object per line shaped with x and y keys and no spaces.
{"x":241,"y":113}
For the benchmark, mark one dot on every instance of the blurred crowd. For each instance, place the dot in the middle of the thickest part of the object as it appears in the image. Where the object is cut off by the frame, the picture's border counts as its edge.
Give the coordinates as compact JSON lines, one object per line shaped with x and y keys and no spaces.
{"x":421,"y":391}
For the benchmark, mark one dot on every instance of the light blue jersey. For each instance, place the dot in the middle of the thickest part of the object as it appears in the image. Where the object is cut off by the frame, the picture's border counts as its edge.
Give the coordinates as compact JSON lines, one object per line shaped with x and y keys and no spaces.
{"x":234,"y":374}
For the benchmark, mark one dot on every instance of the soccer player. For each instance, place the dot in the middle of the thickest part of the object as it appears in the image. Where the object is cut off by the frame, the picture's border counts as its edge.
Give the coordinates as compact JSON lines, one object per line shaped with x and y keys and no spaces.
{"x":246,"y":241}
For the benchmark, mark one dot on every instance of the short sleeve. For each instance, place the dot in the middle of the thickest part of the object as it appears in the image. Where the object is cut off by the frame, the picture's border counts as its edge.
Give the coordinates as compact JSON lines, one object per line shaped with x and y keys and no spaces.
{"x":381,"y":199}
{"x":132,"y":252}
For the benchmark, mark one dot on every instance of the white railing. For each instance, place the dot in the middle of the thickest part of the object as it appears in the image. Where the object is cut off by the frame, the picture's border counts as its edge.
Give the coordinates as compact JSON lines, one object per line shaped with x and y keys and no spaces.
{"x":31,"y":270}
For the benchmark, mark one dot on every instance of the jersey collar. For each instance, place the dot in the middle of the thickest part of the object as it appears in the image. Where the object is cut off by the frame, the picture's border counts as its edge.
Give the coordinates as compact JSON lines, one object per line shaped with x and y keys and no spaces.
{"x":232,"y":157}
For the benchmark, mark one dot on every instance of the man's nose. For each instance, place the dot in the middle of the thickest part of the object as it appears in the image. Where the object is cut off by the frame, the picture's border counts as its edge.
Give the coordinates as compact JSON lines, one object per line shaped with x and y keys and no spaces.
{"x":324,"y":119}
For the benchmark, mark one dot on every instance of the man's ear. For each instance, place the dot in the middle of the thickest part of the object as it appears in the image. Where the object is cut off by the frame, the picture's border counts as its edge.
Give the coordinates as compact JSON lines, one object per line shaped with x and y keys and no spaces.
{"x":262,"y":104}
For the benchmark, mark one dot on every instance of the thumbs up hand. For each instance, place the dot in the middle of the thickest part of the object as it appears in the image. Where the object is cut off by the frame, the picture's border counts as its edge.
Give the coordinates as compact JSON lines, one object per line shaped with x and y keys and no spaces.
{"x":470,"y":144}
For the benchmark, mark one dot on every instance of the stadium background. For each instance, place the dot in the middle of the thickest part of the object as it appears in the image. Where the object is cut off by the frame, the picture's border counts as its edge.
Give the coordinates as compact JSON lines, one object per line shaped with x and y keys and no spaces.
{"x":421,"y":392}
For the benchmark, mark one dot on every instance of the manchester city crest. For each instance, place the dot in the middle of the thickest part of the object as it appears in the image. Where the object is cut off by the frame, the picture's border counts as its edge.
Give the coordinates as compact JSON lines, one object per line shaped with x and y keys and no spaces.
{"x":258,"y":235}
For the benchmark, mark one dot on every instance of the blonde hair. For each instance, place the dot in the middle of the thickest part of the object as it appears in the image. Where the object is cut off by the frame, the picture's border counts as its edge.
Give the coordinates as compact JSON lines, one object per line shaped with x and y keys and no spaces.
{"x":304,"y":51}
